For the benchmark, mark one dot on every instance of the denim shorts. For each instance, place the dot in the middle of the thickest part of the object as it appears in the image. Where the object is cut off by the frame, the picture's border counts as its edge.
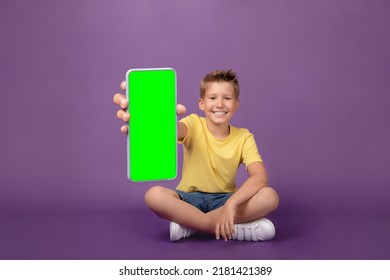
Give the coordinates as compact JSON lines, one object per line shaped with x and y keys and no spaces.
{"x":205,"y":202}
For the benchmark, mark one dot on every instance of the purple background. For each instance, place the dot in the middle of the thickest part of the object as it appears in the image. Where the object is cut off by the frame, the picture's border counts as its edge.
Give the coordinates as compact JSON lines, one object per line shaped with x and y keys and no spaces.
{"x":314,"y":90}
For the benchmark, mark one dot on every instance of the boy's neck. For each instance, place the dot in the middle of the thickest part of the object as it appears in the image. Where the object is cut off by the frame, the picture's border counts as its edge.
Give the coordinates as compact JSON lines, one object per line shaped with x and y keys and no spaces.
{"x":218,"y":131}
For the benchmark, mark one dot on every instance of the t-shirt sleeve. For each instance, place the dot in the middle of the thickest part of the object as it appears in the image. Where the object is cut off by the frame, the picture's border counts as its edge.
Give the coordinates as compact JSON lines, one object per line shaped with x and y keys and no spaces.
{"x":189,"y":121}
{"x":250,"y":152}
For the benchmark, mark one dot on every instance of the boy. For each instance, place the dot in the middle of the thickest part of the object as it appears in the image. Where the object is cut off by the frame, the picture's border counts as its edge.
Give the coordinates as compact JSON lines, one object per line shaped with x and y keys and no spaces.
{"x":207,"y":198}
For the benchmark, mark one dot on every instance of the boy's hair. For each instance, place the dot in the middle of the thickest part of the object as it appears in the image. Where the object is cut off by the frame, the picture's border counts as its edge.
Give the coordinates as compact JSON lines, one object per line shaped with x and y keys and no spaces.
{"x":220,"y":76}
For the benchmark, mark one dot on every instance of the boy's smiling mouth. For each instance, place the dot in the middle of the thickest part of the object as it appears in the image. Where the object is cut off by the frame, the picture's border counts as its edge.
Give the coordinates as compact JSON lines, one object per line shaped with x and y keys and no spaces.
{"x":219,"y":113}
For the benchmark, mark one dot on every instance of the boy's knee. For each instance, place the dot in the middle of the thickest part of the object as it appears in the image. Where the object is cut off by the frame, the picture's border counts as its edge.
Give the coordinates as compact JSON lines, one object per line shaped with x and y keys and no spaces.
{"x":272,"y":196}
{"x":152,"y":195}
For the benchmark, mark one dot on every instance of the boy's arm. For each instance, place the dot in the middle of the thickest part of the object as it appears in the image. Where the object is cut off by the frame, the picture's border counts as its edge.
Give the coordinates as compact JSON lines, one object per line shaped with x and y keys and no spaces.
{"x":257,"y":180}
{"x":181,"y":127}
{"x":181,"y":130}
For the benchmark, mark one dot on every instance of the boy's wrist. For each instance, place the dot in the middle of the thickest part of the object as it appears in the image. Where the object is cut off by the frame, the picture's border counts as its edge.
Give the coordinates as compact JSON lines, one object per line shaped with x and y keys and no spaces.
{"x":231,"y":203}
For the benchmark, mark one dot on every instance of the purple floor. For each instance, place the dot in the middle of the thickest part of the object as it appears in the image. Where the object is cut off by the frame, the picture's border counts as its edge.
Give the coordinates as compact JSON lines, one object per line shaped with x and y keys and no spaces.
{"x":135,"y":233}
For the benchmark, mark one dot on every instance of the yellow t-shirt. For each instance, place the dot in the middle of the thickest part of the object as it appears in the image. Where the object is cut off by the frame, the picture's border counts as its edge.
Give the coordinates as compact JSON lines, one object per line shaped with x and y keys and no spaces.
{"x":210,"y":164}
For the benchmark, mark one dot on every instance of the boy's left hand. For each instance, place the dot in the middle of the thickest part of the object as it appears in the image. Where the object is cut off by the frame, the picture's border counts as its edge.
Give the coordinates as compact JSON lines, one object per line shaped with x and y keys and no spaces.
{"x":225,"y":223}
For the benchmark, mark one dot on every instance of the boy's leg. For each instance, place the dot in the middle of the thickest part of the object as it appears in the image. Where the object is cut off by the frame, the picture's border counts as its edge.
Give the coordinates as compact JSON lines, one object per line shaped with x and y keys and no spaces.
{"x":167,"y":204}
{"x":260,"y":205}
{"x":250,"y":224}
{"x":265,"y":201}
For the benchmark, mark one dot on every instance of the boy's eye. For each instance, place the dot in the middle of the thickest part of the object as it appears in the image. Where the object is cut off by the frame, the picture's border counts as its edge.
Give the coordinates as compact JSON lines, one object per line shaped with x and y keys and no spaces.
{"x":212,"y":97}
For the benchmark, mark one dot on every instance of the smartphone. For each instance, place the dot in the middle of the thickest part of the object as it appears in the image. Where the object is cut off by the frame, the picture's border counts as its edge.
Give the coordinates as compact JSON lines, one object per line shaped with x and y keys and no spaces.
{"x":152,"y":137}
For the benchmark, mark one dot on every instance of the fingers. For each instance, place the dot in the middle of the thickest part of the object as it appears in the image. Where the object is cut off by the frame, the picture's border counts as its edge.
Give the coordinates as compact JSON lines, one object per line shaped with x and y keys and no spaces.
{"x":228,"y":232}
{"x":217,"y":231}
{"x":120,"y":100}
{"x":124,"y":129}
{"x":123,"y":85}
{"x":180,"y":109}
{"x":123,"y":115}
{"x":224,"y":230}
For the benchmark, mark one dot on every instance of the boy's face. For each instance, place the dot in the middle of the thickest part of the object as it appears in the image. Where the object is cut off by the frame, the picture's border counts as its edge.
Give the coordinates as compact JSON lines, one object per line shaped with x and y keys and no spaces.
{"x":219,"y":103}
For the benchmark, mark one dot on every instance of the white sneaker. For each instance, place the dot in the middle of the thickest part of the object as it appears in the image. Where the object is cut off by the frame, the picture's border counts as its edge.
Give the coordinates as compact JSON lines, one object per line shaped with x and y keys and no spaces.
{"x":262,"y":229}
{"x":177,"y":231}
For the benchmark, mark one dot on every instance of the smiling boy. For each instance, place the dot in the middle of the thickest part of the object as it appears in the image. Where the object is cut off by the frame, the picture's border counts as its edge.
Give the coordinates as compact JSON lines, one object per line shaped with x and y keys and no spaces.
{"x":207,"y":198}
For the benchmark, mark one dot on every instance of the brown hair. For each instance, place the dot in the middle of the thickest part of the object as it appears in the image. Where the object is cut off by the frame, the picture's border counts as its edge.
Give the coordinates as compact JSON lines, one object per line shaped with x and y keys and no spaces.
{"x":220,"y":76}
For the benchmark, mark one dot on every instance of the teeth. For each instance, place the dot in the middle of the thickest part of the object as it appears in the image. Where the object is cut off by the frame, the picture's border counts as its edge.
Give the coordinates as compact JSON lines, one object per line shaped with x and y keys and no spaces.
{"x":220,"y":113}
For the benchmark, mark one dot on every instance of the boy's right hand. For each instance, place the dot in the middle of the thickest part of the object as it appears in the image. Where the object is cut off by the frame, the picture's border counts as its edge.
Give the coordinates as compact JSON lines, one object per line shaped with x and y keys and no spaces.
{"x":122,"y":114}
{"x":120,"y":99}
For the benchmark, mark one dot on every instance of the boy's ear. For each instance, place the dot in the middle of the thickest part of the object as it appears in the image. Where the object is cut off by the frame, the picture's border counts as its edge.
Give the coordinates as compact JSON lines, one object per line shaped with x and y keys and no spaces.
{"x":201,"y":104}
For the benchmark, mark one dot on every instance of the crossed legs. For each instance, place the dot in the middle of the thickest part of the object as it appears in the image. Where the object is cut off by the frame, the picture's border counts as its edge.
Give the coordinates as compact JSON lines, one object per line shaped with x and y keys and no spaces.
{"x":167,"y":204}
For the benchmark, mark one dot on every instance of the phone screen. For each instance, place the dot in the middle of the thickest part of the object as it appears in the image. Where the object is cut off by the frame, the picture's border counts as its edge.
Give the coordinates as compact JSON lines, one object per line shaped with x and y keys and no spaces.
{"x":152,"y":138}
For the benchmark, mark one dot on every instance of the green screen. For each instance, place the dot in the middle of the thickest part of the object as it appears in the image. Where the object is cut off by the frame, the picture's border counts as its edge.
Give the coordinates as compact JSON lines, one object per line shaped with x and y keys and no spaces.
{"x":152,"y":145}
